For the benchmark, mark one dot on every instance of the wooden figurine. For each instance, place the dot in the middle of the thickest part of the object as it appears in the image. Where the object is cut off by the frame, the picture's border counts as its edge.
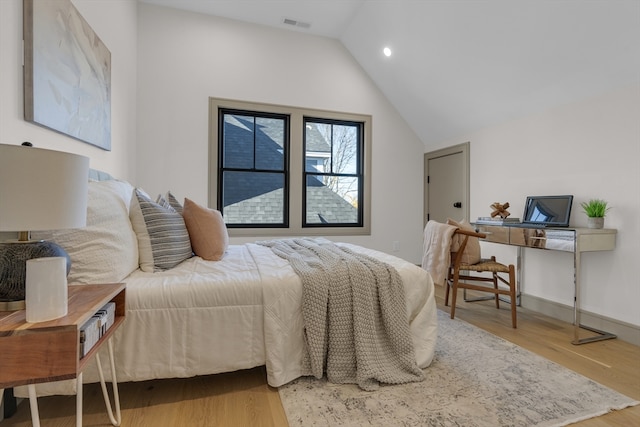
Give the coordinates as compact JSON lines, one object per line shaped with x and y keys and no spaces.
{"x":500,"y":210}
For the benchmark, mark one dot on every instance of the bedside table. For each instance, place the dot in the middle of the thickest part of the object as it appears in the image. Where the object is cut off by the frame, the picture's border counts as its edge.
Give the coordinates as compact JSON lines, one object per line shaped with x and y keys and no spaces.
{"x":49,"y":351}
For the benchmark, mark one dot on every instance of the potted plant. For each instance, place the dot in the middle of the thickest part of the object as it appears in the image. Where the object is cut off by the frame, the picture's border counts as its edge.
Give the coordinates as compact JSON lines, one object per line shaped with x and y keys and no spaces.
{"x":595,"y":209}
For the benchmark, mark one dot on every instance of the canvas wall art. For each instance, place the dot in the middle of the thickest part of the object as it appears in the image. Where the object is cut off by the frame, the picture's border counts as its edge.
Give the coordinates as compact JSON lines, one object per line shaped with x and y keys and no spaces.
{"x":67,"y":73}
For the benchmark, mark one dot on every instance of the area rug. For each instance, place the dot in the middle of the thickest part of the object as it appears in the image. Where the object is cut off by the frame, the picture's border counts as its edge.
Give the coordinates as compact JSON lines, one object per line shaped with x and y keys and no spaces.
{"x":476,"y":379}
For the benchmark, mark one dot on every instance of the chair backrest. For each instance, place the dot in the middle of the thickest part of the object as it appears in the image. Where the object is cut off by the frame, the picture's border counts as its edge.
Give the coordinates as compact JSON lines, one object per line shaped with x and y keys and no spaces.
{"x":456,"y":257}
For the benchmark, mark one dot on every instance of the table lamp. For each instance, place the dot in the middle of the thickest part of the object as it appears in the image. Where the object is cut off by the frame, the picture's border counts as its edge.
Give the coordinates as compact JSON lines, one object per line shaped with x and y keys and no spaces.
{"x":39,"y":190}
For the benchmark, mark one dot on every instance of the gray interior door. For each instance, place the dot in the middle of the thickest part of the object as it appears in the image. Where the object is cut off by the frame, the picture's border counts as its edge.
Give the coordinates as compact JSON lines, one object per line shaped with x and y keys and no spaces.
{"x":447,"y":184}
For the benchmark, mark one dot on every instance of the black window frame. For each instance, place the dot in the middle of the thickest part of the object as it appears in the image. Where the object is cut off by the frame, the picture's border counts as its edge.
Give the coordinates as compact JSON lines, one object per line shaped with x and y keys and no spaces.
{"x":222,"y":112}
{"x":296,"y":166}
{"x":359,"y":171}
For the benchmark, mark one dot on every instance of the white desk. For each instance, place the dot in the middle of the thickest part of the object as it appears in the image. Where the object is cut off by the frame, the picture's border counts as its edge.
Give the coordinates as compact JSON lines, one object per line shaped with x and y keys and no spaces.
{"x":575,"y":240}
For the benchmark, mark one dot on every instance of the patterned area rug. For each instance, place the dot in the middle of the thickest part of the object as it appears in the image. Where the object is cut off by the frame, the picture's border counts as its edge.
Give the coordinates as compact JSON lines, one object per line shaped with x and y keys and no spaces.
{"x":476,"y":379}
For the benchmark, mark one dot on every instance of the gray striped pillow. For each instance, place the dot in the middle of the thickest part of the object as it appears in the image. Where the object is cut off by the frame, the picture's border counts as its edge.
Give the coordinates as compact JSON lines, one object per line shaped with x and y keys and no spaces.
{"x":169,"y":202}
{"x":174,"y":203}
{"x":163,"y":240}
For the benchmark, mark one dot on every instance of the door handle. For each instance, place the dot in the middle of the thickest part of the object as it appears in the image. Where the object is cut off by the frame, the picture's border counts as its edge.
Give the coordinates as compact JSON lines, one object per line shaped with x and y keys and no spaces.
{"x":457,"y":205}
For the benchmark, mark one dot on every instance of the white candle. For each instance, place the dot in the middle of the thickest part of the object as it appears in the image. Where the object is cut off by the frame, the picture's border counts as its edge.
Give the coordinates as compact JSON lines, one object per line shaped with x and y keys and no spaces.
{"x":46,"y":289}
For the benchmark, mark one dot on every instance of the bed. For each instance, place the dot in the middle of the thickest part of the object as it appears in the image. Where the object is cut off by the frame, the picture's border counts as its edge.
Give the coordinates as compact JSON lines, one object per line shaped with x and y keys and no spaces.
{"x":205,"y":317}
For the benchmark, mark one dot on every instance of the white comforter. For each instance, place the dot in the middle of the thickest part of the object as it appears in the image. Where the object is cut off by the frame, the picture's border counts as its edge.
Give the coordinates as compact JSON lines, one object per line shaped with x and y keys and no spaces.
{"x":244,"y":311}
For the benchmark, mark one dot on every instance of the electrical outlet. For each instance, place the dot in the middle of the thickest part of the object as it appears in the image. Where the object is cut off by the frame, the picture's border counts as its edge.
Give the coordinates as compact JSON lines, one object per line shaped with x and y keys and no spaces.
{"x":396,"y":246}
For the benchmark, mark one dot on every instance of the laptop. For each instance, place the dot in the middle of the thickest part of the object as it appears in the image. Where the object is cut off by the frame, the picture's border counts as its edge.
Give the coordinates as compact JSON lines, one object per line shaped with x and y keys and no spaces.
{"x":545,"y":211}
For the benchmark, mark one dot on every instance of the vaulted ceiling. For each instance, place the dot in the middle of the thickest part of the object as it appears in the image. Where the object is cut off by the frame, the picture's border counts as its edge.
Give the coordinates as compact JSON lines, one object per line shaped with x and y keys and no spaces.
{"x":461,"y":65}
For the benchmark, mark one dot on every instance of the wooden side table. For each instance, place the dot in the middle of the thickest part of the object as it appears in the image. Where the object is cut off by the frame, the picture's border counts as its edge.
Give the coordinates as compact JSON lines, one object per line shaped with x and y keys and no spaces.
{"x":33,"y":353}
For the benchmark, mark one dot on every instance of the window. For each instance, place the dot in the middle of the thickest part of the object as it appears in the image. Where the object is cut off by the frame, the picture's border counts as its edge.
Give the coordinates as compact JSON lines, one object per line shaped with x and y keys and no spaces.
{"x":252,"y":168}
{"x":333,"y":173}
{"x":285,"y":171}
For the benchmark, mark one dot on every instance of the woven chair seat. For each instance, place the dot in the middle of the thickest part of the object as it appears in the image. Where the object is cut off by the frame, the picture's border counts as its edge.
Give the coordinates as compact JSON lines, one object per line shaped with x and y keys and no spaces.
{"x":486,"y":265}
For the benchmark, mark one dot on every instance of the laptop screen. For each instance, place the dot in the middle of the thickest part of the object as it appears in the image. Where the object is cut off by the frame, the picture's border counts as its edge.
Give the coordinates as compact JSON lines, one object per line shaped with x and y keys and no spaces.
{"x":548,"y":211}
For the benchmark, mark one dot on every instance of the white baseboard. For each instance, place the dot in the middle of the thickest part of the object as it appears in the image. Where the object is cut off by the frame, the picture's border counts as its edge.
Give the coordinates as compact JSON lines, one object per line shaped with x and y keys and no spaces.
{"x":625,"y":331}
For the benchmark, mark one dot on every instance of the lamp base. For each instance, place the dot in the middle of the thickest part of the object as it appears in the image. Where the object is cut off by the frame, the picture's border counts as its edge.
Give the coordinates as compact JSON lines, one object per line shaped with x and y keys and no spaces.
{"x":12,"y":305}
{"x":13,"y":268}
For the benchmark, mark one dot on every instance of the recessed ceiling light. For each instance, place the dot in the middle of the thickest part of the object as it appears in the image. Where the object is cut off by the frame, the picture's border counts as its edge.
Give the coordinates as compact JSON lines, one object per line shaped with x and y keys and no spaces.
{"x":386,"y":51}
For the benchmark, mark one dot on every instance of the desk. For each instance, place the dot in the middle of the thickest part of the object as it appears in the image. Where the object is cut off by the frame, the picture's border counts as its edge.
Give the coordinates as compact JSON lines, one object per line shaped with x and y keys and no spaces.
{"x":575,"y":240}
{"x":42,"y":352}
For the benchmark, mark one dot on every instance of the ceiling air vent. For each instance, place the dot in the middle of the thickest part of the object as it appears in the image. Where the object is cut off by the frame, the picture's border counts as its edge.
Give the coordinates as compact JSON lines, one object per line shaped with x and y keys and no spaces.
{"x":293,"y":22}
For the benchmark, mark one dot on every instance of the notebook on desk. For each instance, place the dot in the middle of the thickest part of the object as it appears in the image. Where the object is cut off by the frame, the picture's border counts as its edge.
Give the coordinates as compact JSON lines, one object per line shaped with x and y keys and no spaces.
{"x":545,"y":211}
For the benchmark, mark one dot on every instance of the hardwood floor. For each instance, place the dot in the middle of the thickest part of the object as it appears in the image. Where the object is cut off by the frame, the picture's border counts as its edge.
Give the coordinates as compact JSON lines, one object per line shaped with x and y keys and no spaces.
{"x":244,"y":399}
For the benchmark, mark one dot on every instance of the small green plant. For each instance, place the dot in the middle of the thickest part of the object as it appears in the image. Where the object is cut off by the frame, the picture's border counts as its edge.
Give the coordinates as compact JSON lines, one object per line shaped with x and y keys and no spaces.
{"x":595,"y":208}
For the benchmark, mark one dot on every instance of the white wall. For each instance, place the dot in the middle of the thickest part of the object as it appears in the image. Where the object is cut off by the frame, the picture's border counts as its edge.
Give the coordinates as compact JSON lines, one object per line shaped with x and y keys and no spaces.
{"x":185,"y":58}
{"x":120,"y":40}
{"x":590,"y":149}
{"x":160,"y":89}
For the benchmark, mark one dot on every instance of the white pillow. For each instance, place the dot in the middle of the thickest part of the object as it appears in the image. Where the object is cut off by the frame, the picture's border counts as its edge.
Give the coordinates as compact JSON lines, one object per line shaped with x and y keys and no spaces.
{"x":106,"y":250}
{"x":163,"y":240}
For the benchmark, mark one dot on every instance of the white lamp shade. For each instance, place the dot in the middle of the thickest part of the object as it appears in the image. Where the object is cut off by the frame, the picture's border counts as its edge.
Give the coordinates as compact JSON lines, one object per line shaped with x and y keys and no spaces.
{"x":42,"y":189}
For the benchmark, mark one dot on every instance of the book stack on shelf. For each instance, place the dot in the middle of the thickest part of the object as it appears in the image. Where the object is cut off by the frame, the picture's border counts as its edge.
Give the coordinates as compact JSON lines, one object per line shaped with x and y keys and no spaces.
{"x":487,"y":220}
{"x":96,"y":327}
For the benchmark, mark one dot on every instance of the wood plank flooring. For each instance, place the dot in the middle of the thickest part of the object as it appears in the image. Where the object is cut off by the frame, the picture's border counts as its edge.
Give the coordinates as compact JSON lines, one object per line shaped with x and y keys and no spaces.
{"x":244,"y":399}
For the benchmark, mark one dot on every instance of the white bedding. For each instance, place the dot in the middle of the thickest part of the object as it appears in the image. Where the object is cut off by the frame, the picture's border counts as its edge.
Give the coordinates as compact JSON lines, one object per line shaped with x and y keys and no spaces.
{"x":206,"y":317}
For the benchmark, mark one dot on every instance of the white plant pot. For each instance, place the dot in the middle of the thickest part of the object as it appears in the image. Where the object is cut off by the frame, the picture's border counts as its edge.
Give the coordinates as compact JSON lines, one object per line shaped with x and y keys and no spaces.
{"x":593,"y":222}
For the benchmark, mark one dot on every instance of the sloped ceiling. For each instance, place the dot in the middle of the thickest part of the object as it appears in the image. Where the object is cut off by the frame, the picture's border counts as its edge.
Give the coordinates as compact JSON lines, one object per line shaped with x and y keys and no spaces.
{"x":459,"y":66}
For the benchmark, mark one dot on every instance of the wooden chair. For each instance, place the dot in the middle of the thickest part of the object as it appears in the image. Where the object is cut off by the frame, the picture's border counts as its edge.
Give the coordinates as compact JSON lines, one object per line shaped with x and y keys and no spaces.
{"x":456,"y":280}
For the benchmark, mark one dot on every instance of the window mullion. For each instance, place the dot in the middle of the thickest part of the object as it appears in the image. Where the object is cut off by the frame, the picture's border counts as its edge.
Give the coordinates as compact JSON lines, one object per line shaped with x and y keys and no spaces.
{"x":255,"y":136}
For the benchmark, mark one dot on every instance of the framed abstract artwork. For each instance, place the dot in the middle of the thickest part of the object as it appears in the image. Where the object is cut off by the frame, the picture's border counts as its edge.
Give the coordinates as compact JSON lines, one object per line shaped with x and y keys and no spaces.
{"x":67,"y":73}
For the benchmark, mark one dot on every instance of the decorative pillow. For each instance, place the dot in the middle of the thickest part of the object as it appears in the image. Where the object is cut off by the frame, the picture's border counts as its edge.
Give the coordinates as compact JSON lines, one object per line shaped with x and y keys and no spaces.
{"x":163,"y":240}
{"x":471,"y":254}
{"x":207,"y":230}
{"x":174,"y":203}
{"x":106,"y":250}
{"x":169,"y":202}
{"x":163,"y":202}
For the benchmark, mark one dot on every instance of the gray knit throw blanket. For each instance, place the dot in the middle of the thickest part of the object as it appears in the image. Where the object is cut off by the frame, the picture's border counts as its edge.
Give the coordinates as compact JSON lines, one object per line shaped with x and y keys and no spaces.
{"x":354,"y":312}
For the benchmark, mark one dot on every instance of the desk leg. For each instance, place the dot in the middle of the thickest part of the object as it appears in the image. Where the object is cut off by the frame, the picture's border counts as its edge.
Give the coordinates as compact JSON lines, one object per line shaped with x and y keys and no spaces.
{"x":602,"y":335}
{"x":79,"y":398}
{"x":33,"y":403}
{"x":116,"y":397}
{"x":576,"y":297}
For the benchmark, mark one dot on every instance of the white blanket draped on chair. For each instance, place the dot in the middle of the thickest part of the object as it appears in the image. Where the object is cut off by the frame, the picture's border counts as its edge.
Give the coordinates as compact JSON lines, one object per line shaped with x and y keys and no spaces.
{"x":436,"y":255}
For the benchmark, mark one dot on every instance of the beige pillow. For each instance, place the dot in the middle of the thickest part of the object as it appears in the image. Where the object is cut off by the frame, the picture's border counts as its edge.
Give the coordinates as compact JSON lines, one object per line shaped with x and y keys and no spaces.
{"x":106,"y":250}
{"x":207,"y":230}
{"x":471,"y":254}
